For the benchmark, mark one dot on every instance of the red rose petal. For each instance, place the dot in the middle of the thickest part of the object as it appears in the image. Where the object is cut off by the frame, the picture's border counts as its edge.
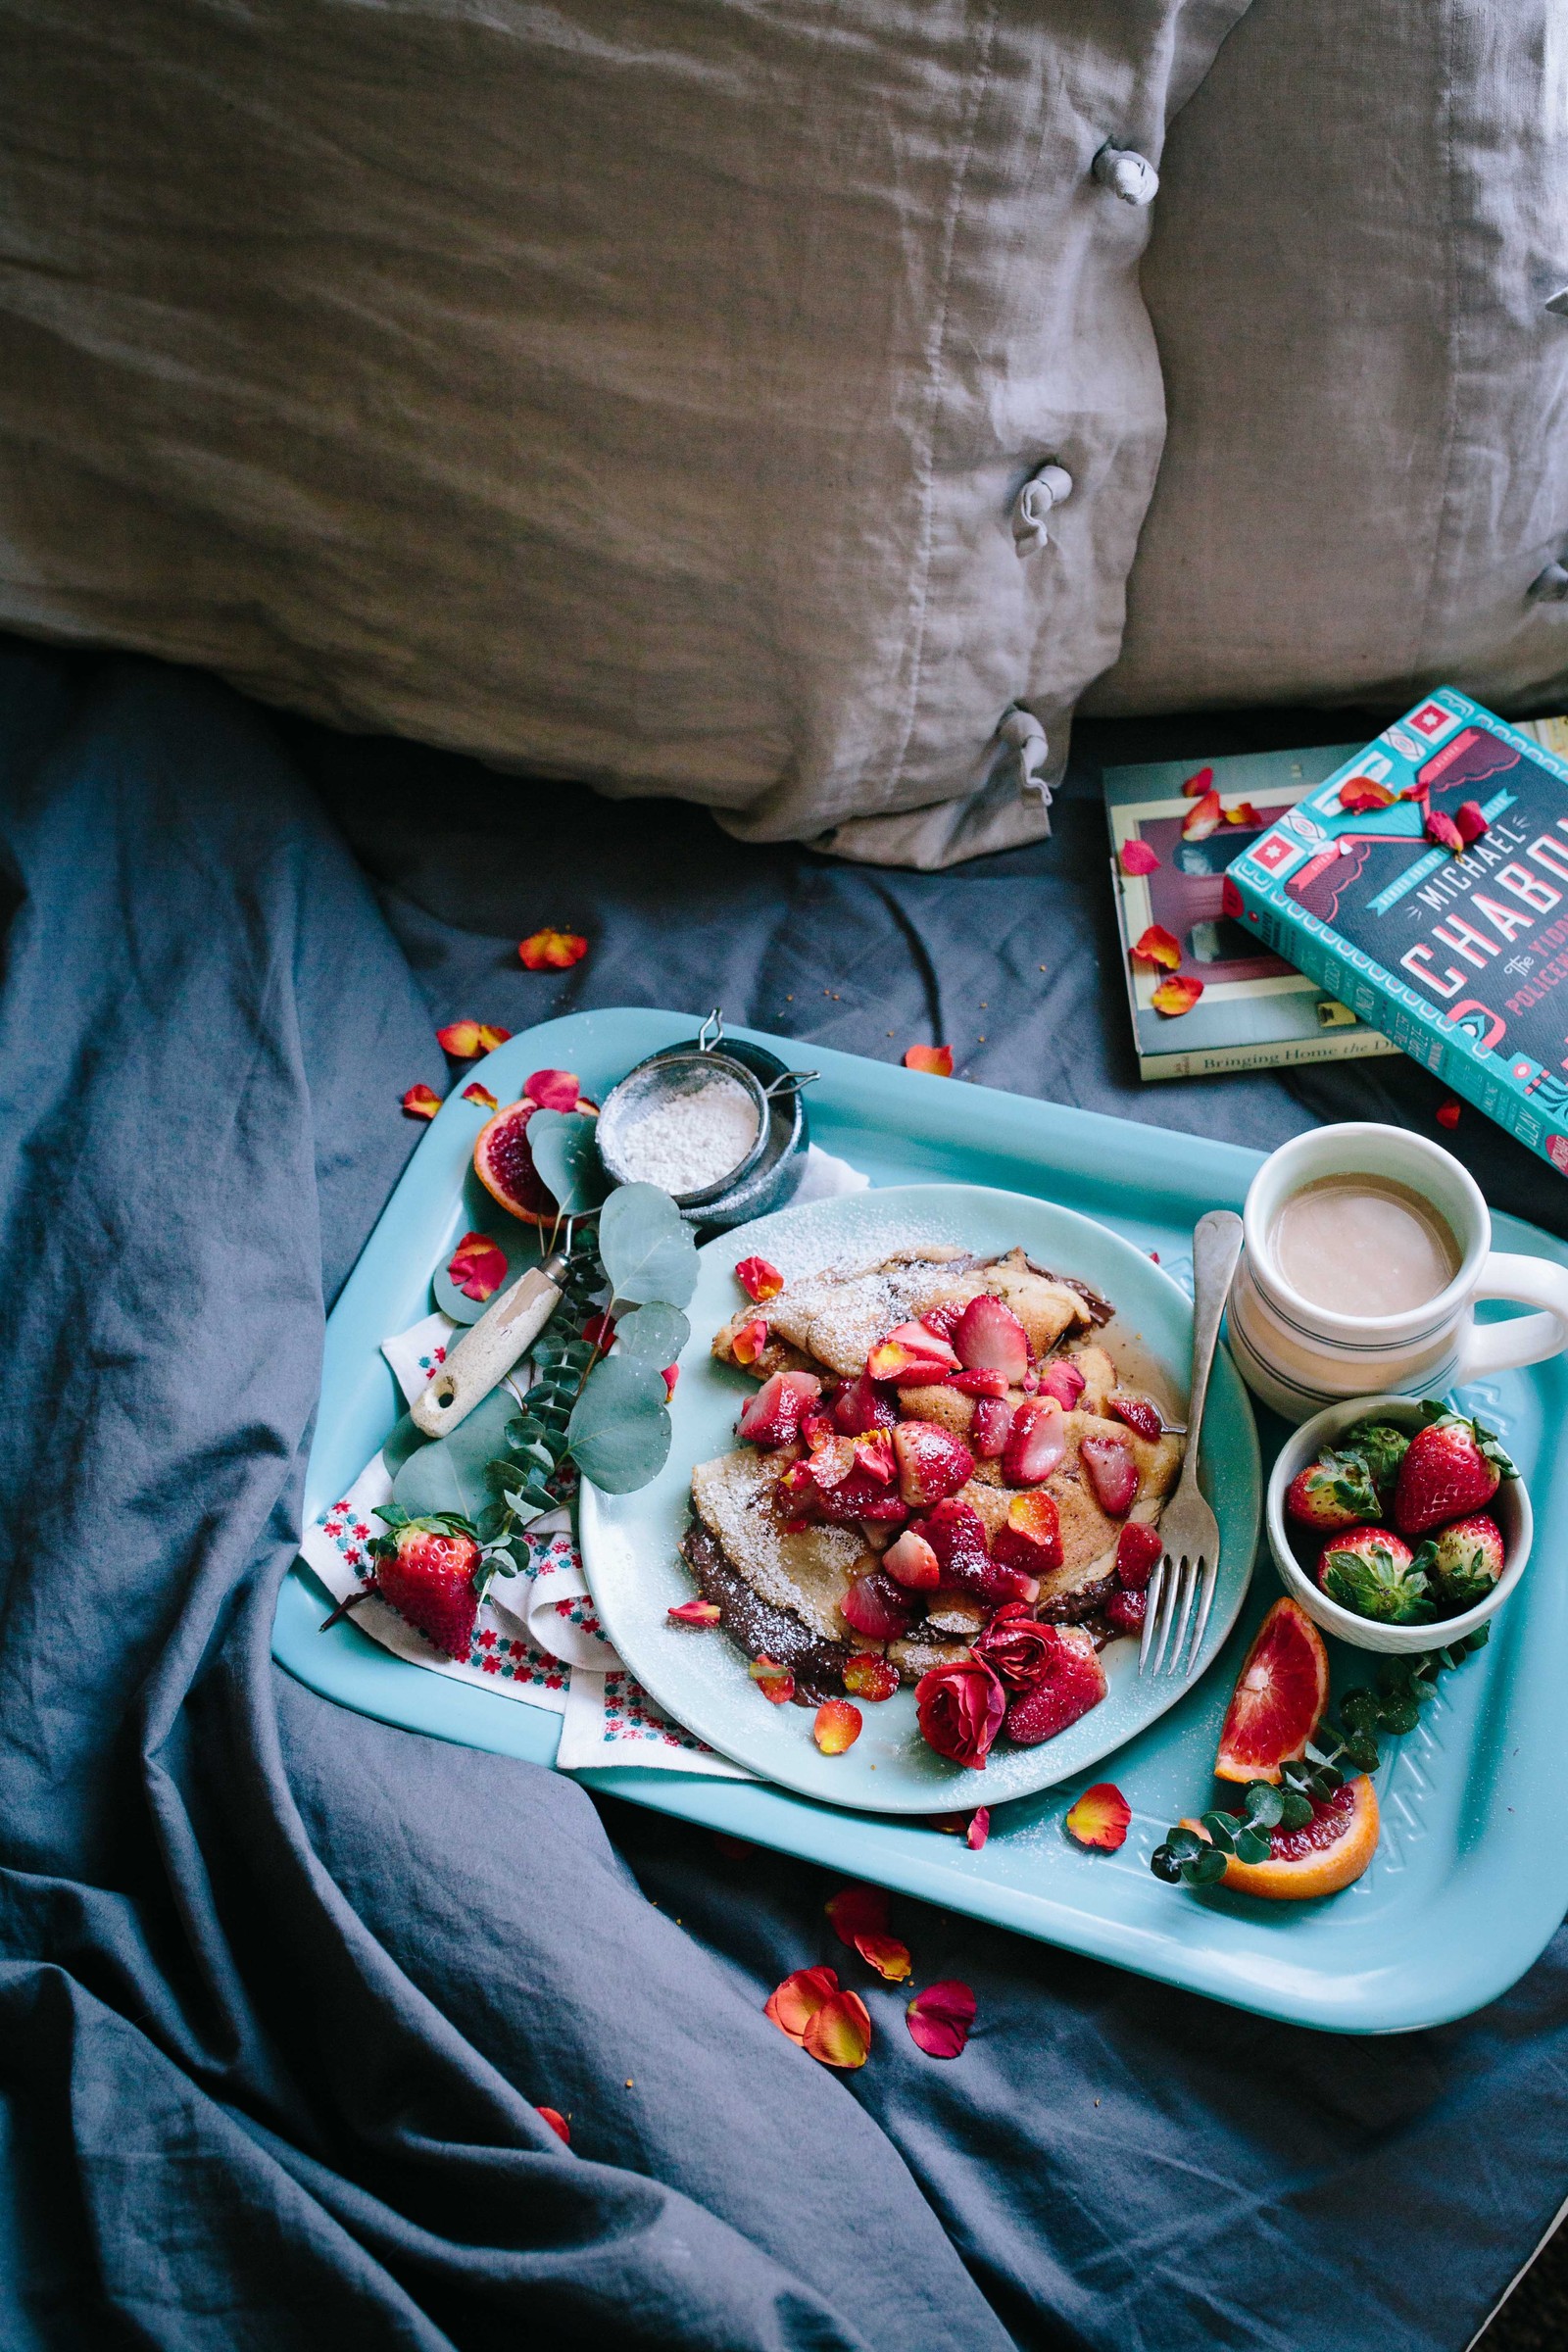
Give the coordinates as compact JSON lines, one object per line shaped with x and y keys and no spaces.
{"x":888,"y":1956}
{"x":1176,"y":995}
{"x":599,"y":1330}
{"x":776,"y":1682}
{"x":937,"y":1060}
{"x":1195,"y":786}
{"x":960,"y":1707}
{"x":839,"y":2033}
{"x":669,"y":1375}
{"x":979,"y":1830}
{"x":556,"y":2123}
{"x":1243,"y":813}
{"x":1470,"y":821}
{"x":868,"y":1677}
{"x":759,"y":1278}
{"x":1099,"y":1816}
{"x":695,"y":1612}
{"x":490,"y":1036}
{"x":1443,"y":831}
{"x":552,"y":951}
{"x":750,"y":1340}
{"x":1359,"y":794}
{"x":554,"y":1090}
{"x":793,"y":2004}
{"x":461,"y":1039}
{"x":475,"y":1093}
{"x":421,"y":1103}
{"x":477,"y":1266}
{"x":1137,"y":857}
{"x":858,"y":1911}
{"x":1156,"y":946}
{"x":939,"y":2018}
{"x":1449,"y":1113}
{"x":837,"y":1726}
{"x":1204,"y":817}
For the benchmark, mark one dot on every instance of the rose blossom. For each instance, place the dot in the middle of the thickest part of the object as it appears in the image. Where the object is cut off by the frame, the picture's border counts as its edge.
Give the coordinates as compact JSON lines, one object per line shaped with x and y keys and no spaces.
{"x":959,"y":1709}
{"x":1017,"y":1646}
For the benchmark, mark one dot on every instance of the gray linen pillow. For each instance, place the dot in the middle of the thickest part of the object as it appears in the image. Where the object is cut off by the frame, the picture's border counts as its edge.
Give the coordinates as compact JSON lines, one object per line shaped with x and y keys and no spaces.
{"x":637,"y":390}
{"x":1362,"y":226}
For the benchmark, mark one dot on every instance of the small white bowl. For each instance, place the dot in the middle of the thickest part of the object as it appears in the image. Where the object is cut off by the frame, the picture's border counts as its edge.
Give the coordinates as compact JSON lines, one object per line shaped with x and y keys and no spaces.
{"x":1509,"y":1506}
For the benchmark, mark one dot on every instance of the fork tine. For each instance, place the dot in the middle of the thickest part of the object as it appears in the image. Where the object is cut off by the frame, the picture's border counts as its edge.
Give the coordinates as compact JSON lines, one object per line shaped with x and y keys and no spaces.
{"x":1172,"y":1587}
{"x":1210,"y":1579}
{"x":1190,"y":1569}
{"x":1157,"y":1587}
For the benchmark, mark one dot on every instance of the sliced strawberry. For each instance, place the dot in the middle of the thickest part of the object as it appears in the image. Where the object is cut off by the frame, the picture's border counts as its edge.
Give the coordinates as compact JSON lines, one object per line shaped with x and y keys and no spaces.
{"x":979,"y":1383}
{"x":956,"y":1533}
{"x":860,"y":1497}
{"x":991,"y":1339}
{"x":1030,"y":1539}
{"x":1140,"y":1415}
{"x":860,"y":1405}
{"x":868,"y":1677}
{"x":932,"y":1463}
{"x":832,"y":1460}
{"x":1073,"y":1681}
{"x":1138,"y":1548}
{"x":1035,"y":1443}
{"x":911,"y":1562}
{"x":772,"y":1417}
{"x":878,"y":1607}
{"x":1064,"y":1381}
{"x":1112,"y":1472}
{"x":990,"y":1428}
{"x":1125,"y":1612}
{"x":911,"y":1353}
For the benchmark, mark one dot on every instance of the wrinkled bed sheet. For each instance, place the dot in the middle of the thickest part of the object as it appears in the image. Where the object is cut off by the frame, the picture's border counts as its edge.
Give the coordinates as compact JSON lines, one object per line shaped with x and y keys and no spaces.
{"x":280,"y":1988}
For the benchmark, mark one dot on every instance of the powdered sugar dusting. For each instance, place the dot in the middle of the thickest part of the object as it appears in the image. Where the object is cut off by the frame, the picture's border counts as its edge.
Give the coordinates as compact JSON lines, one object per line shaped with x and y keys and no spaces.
{"x":691,"y":1140}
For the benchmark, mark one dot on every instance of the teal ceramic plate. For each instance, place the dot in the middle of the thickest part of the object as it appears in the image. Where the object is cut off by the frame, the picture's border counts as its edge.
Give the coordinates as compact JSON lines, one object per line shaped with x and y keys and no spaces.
{"x":629,"y":1540}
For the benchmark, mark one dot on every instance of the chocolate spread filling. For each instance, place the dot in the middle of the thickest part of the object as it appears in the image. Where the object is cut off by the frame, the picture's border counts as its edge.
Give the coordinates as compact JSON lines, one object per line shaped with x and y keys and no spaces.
{"x":760,"y":1628}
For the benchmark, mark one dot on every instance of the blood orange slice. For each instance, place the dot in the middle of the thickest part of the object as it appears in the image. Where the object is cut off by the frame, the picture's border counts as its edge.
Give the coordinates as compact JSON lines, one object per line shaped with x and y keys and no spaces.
{"x":1279,"y":1699}
{"x":1333,"y":1849}
{"x":504,"y":1164}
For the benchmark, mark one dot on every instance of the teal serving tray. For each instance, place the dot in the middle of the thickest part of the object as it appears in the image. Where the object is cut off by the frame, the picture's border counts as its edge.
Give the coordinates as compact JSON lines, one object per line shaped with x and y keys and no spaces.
{"x":1471,"y":1876}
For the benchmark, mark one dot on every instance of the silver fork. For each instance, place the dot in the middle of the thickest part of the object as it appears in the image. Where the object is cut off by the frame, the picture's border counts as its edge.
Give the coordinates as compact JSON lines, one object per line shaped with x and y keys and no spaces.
{"x":1189,"y":1567}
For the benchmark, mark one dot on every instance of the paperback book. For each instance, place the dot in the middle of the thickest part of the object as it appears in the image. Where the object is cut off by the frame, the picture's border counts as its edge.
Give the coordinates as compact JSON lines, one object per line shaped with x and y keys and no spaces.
{"x":1256,"y":1011}
{"x":1425,"y":883}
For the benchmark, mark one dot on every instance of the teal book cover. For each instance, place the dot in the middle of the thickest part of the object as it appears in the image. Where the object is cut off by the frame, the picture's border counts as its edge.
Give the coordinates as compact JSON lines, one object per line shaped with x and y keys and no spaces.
{"x":1256,"y":1011}
{"x":1426,"y":884}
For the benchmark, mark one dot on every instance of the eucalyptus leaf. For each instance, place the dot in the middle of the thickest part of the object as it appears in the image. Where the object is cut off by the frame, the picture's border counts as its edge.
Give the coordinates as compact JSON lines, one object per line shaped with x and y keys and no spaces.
{"x":406,"y":1438}
{"x":1399,"y":1716}
{"x":1296,"y":1810}
{"x":1183,"y":1844}
{"x":448,"y":1473}
{"x":1164,"y":1865}
{"x":1207,"y":1870}
{"x":566,"y":1158}
{"x":1222,"y":1828}
{"x":647,"y":1250}
{"x":620,"y":1430}
{"x":1266,"y":1806}
{"x":1251,"y":1845}
{"x":652,"y":1335}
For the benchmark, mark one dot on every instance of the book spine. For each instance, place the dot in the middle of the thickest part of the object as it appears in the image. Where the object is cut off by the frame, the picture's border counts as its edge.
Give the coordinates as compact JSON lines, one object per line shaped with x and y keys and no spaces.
{"x":1286,"y":1054}
{"x":1417,"y":1028}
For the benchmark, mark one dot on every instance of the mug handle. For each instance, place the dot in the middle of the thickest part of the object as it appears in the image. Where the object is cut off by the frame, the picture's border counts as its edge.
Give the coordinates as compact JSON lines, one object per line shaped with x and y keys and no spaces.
{"x":1527,"y":1339}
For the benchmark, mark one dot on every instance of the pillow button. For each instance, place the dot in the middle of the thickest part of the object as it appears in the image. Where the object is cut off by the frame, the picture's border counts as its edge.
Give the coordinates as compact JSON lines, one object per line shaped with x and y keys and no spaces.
{"x":1550,"y":587}
{"x":1127,"y":174}
{"x":1050,"y":486}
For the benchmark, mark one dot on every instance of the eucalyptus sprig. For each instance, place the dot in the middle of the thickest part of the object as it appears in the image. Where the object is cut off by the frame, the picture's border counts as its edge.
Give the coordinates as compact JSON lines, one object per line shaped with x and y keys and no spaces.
{"x":1392,"y":1708}
{"x":604,"y":1415}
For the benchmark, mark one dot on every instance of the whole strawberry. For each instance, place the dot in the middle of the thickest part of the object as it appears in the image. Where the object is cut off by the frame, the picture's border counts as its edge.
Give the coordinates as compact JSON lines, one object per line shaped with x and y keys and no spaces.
{"x":1464,"y":1561}
{"x":426,"y":1569}
{"x":1370,"y":1570}
{"x":1383,"y":1448}
{"x":1453,"y":1467}
{"x":1335,"y":1490}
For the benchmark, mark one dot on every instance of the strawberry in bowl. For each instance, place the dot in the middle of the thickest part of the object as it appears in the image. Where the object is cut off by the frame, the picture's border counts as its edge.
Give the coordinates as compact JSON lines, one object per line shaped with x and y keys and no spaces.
{"x":1397,"y":1524}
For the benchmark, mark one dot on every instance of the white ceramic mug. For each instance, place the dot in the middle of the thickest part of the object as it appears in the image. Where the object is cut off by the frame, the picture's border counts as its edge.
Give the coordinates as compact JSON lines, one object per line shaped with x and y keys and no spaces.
{"x":1299,"y":1356}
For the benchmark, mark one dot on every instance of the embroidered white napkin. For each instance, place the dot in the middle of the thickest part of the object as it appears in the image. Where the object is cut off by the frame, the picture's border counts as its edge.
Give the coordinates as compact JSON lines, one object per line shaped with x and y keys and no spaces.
{"x":536,"y":1636}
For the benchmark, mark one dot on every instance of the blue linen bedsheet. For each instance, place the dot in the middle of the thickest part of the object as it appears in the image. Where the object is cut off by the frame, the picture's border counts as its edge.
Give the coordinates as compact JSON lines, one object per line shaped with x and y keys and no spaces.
{"x":282,"y":1989}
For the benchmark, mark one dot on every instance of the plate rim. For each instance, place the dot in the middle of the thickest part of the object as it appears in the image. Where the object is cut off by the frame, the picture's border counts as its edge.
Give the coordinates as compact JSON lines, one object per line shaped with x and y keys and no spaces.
{"x":971,"y":1791}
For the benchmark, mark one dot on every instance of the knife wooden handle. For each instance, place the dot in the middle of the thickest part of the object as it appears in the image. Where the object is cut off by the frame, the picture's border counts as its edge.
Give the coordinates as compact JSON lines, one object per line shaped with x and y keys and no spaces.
{"x":487,"y":1351}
